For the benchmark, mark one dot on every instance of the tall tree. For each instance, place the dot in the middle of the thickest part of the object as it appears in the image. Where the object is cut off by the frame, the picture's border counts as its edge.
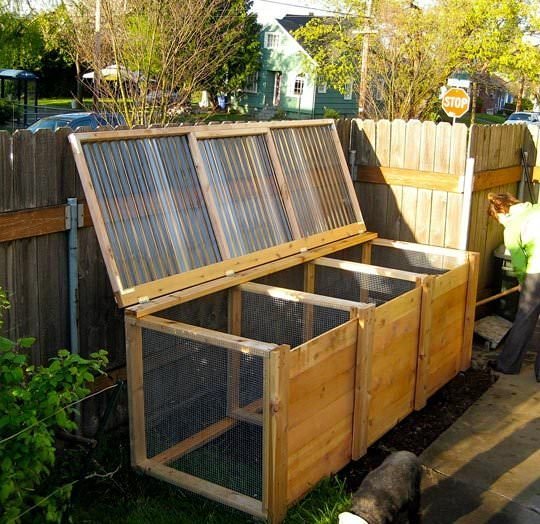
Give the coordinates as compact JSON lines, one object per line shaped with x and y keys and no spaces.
{"x":408,"y":59}
{"x":162,"y":49}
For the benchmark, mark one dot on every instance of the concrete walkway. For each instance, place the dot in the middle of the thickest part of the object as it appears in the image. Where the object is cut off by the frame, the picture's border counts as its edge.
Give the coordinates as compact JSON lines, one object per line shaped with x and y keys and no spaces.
{"x":486,"y":467}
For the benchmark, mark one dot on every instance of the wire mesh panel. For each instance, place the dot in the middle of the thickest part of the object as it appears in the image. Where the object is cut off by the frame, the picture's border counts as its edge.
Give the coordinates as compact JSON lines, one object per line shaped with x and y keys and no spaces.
{"x":415,"y":261}
{"x":311,"y":165}
{"x":191,"y":423}
{"x":244,"y":188}
{"x":152,"y":207}
{"x":282,"y":321}
{"x":361,"y":287}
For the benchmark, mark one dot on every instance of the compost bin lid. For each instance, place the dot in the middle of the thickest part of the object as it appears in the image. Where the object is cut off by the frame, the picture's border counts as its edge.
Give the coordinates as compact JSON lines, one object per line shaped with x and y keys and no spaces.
{"x":177,"y":207}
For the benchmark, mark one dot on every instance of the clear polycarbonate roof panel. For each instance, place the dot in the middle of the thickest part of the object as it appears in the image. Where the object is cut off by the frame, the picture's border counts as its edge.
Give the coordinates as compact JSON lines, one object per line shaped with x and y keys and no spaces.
{"x":152,"y":205}
{"x":314,"y":174}
{"x":243,"y":185}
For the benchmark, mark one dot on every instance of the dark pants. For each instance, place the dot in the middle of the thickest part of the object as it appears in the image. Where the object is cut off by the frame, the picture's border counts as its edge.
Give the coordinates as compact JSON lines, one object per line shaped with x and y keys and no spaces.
{"x":515,"y":346}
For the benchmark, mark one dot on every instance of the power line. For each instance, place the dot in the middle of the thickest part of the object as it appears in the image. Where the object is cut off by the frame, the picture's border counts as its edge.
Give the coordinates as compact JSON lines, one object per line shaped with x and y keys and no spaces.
{"x":311,"y":7}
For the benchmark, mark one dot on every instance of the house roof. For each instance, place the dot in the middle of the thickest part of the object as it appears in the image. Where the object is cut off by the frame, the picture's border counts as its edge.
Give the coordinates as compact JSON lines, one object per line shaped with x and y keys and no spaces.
{"x":293,"y":22}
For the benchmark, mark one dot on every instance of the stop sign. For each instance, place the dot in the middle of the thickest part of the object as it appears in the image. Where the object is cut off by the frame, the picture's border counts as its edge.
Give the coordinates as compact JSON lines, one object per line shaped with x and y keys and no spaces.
{"x":455,"y":102}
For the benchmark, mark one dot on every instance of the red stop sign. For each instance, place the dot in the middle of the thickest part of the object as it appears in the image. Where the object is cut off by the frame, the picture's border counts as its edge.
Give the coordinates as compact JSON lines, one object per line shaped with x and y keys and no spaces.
{"x":455,"y":102}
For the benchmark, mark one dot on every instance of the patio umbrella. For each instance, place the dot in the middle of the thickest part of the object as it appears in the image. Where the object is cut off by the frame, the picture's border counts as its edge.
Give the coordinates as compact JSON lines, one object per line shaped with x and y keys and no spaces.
{"x":114,"y":73}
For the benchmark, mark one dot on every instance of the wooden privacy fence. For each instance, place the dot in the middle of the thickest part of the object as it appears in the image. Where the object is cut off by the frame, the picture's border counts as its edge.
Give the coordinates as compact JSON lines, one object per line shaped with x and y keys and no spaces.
{"x":410,"y":177}
{"x":428,"y":183}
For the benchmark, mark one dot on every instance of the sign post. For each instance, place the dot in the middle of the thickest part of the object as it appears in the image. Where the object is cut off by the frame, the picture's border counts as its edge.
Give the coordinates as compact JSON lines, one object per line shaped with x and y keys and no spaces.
{"x":455,"y":102}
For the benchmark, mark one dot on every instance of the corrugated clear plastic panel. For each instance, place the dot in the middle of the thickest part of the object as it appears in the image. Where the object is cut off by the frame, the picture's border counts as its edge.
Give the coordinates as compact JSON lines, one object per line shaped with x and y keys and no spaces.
{"x":244,"y":188}
{"x":152,"y":206}
{"x":279,"y":321}
{"x":313,"y":171}
{"x":187,"y":389}
{"x":359,"y":287}
{"x":415,"y":261}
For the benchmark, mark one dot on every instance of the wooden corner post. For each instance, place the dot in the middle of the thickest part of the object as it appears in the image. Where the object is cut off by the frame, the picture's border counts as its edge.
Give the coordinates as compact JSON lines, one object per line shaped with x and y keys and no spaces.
{"x":362,"y":380}
{"x":470,"y":310}
{"x":234,"y":358}
{"x":276,"y":401}
{"x":424,"y":342}
{"x":134,"y":362}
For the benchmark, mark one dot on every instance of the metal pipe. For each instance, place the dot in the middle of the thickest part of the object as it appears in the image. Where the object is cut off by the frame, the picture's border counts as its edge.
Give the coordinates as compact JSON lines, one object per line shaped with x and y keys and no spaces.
{"x":352,"y":164}
{"x":72,"y":223}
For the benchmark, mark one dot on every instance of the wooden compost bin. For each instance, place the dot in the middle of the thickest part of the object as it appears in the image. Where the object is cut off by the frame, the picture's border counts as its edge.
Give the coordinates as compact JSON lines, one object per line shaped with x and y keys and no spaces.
{"x":291,"y":418}
{"x":251,"y":404}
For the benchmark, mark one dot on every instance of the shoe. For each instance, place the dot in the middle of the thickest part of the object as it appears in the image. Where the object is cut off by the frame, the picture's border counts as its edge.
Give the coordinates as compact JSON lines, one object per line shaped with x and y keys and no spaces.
{"x":492,"y":364}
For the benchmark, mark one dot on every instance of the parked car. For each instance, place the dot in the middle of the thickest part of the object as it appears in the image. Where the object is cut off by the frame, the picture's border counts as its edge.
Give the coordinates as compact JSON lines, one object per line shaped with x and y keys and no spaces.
{"x":521,"y":117}
{"x":75,"y":120}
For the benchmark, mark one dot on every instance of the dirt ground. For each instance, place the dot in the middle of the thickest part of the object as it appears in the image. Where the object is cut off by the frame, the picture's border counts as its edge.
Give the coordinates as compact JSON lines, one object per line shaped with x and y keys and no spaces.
{"x":421,"y":428}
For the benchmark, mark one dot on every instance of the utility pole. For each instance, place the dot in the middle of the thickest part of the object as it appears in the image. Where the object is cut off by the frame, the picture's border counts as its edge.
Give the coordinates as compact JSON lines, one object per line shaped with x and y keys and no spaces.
{"x":97,"y":55}
{"x":364,"y":64}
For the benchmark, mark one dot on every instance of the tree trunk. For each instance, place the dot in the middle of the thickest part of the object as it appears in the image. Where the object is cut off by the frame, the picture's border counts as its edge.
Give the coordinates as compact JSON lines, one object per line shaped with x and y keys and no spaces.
{"x":473,"y":101}
{"x":519,"y":101}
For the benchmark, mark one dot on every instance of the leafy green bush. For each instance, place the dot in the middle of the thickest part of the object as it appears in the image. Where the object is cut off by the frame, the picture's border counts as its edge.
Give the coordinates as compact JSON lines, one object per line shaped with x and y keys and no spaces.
{"x":34,"y":401}
{"x":331,"y":113}
{"x":6,"y":111}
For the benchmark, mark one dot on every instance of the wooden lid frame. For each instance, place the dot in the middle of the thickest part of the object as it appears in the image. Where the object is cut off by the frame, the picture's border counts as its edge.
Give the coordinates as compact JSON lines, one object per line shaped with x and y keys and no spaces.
{"x":145,"y":291}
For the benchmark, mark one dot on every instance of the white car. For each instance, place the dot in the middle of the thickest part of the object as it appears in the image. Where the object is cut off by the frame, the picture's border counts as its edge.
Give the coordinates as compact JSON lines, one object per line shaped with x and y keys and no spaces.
{"x":523,"y":117}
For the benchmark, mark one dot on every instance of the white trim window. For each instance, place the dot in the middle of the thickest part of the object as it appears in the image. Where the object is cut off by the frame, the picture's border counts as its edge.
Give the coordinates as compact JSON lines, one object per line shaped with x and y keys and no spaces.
{"x":298,"y":85}
{"x":321,"y":88}
{"x":252,"y":82}
{"x":271,"y":40}
{"x":348,"y":91}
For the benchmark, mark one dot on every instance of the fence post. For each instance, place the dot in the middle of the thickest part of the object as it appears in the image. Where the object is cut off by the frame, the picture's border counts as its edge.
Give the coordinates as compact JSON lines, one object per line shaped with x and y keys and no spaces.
{"x":72,"y":224}
{"x":468,"y":187}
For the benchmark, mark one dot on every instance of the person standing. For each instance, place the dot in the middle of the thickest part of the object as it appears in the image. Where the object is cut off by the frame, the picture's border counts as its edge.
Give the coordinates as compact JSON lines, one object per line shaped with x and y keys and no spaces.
{"x":521,"y":221}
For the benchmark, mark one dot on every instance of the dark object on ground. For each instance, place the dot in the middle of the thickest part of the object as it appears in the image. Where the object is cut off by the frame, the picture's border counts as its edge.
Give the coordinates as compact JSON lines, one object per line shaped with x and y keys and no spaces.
{"x":390,"y":492}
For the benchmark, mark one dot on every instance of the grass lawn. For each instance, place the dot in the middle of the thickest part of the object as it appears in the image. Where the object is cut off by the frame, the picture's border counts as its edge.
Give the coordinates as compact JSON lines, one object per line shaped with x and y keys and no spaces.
{"x":131,"y":498}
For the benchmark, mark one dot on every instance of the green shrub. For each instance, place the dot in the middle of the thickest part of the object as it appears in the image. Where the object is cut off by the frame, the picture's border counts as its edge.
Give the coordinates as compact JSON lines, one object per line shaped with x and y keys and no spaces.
{"x":7,"y":111}
{"x":331,"y":113}
{"x":34,"y":401}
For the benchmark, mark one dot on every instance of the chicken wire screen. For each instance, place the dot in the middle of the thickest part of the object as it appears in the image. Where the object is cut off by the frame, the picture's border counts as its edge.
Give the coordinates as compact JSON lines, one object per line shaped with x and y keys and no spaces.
{"x":415,"y":261}
{"x":191,"y":387}
{"x":281,"y":321}
{"x":359,"y":287}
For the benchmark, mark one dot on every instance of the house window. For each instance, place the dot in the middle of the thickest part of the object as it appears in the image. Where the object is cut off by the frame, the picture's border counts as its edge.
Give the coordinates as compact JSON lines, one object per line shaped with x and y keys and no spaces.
{"x":348,"y":91}
{"x":251,"y":83}
{"x":298,"y":88}
{"x":321,"y":88}
{"x":271,"y":40}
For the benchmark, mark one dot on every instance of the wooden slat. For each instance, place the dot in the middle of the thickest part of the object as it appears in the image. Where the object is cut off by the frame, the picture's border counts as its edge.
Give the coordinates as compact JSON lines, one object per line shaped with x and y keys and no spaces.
{"x":421,"y":248}
{"x":220,"y":284}
{"x":322,"y":347}
{"x":195,"y":441}
{"x":233,"y":357}
{"x":424,"y":343}
{"x":454,"y":278}
{"x":205,"y":488}
{"x":298,"y":296}
{"x":34,"y":222}
{"x":168,"y":285}
{"x":362,"y":381}
{"x":206,"y":336}
{"x":309,"y":287}
{"x":411,"y":178}
{"x":276,"y":471}
{"x":366,"y":269}
{"x":134,"y":360}
{"x":97,"y":217}
{"x":470,"y":310}
{"x":496,"y":177}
